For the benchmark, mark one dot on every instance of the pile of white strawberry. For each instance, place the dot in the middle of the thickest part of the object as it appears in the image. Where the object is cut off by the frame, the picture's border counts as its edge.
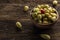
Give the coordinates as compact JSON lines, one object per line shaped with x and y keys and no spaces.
{"x":44,"y":14}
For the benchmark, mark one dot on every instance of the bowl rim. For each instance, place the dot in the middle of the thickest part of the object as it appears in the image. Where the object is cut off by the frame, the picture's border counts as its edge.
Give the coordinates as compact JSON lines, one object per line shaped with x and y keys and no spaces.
{"x":42,"y":23}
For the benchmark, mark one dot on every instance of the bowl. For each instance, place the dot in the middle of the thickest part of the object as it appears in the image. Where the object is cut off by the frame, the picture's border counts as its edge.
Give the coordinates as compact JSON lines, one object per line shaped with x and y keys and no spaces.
{"x":43,"y":25}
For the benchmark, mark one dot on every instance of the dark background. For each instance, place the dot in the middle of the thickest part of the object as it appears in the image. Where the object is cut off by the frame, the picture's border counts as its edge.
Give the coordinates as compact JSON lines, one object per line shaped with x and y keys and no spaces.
{"x":12,"y":11}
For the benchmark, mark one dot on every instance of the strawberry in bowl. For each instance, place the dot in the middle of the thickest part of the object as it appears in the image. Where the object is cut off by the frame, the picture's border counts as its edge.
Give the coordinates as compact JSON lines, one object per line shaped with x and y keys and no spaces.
{"x":44,"y":15}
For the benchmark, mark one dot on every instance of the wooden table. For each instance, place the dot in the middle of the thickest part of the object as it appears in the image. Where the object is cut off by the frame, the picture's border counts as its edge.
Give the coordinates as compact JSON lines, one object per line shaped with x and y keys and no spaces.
{"x":11,"y":11}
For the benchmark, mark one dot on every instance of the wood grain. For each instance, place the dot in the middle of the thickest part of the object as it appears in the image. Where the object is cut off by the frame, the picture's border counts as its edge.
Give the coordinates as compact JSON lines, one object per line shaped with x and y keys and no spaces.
{"x":11,"y":11}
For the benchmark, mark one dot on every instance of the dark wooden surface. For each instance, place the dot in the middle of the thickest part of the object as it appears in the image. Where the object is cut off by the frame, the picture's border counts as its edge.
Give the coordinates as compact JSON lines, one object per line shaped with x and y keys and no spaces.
{"x":12,"y":11}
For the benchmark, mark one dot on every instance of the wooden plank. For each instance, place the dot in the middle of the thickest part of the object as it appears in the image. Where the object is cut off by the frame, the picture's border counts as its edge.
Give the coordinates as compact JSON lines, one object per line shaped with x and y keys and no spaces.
{"x":11,"y":11}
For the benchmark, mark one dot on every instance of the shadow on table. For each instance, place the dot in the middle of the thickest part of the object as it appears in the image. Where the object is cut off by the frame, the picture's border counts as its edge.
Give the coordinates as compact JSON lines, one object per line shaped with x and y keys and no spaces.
{"x":37,"y":31}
